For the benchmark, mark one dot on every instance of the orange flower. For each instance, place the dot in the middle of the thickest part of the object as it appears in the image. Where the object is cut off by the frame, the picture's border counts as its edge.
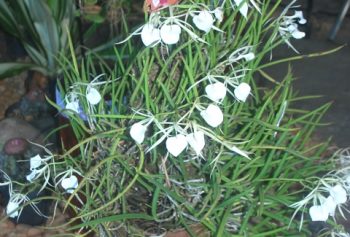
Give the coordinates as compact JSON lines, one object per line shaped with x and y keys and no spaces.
{"x":153,"y":5}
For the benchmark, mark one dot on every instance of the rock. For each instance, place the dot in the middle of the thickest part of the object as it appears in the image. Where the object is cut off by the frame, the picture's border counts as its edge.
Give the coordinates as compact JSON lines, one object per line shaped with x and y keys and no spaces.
{"x":6,"y":228}
{"x":34,"y":232}
{"x":16,"y":146}
{"x":22,"y":227}
{"x":14,"y":128}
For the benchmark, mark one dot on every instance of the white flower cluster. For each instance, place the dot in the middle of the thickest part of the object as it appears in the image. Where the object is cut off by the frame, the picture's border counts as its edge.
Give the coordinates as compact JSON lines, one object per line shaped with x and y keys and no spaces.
{"x":92,"y":95}
{"x":167,"y":29}
{"x":212,"y":115}
{"x":39,"y":168}
{"x":337,"y":195}
{"x":330,"y":194}
{"x":288,"y":25}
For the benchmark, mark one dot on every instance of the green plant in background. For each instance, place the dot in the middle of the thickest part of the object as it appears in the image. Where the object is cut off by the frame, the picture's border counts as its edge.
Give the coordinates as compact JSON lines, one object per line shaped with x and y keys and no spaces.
{"x":41,"y":27}
{"x":179,"y":135}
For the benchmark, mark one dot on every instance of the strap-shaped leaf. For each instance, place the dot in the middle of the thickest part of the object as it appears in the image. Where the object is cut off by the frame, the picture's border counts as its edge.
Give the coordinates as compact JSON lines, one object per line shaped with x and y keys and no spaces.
{"x":10,"y":69}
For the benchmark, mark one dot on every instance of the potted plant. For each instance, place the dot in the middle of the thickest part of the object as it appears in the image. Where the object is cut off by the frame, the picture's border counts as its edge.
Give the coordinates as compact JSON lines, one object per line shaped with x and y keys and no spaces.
{"x":178,"y":139}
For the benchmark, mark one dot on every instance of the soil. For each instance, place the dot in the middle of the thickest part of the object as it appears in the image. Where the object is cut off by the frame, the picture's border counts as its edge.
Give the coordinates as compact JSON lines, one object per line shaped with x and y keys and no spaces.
{"x":9,"y":229}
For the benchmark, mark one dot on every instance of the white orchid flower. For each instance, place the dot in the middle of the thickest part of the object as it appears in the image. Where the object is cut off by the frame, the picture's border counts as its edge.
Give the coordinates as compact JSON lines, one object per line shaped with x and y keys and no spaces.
{"x":298,"y":15}
{"x":68,"y":180}
{"x":204,"y":21}
{"x":196,"y":141}
{"x":212,"y":115}
{"x":243,"y":6}
{"x":242,"y":91}
{"x":14,"y":207}
{"x":137,"y":132}
{"x":288,"y":26}
{"x":176,"y":145}
{"x":242,"y":53}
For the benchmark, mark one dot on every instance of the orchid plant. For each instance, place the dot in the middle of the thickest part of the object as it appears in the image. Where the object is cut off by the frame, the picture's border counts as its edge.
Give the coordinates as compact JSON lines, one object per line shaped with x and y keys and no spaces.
{"x":179,"y":135}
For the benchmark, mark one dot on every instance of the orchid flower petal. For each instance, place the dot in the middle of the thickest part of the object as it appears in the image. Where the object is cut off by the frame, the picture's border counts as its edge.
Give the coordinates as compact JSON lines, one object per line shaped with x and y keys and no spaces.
{"x":219,"y":14}
{"x":330,"y":205}
{"x":30,"y":177}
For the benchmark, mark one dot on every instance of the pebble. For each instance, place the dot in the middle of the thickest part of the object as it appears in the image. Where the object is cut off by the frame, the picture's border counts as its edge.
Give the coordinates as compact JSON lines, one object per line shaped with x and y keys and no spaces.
{"x":34,"y":232}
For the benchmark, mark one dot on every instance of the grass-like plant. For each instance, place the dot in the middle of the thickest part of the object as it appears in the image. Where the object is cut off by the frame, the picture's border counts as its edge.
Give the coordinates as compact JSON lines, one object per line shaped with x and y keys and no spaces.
{"x":178,"y":134}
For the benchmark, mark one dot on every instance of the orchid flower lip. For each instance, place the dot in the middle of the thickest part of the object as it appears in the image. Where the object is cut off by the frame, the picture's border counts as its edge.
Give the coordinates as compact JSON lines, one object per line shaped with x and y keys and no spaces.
{"x":92,"y":95}
{"x":175,"y":145}
{"x":150,"y":35}
{"x":137,"y":132}
{"x":170,"y":33}
{"x":212,"y":115}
